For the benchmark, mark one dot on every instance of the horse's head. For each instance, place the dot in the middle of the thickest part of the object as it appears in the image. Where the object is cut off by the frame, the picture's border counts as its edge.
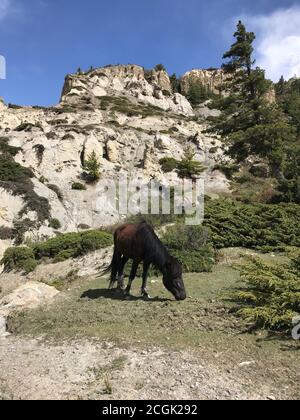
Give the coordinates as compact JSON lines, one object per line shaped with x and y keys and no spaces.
{"x":172,"y":279}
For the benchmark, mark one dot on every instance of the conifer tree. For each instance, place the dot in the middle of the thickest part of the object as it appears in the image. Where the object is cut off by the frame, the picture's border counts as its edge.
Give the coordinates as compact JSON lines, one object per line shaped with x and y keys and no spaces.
{"x":92,"y":166}
{"x":188,"y":167}
{"x":249,"y":123}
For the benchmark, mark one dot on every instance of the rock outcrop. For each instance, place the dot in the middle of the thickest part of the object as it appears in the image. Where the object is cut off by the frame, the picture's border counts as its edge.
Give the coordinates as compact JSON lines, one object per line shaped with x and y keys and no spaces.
{"x":212,"y":79}
{"x":153,"y":88}
{"x":29,"y":295}
{"x":129,"y":117}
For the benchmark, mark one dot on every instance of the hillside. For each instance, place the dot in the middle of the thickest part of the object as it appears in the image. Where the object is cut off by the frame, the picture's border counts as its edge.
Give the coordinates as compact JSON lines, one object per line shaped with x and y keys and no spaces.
{"x":130,"y":117}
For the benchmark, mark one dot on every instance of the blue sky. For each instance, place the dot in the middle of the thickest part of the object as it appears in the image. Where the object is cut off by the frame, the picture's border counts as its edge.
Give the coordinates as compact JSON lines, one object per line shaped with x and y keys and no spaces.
{"x":43,"y":40}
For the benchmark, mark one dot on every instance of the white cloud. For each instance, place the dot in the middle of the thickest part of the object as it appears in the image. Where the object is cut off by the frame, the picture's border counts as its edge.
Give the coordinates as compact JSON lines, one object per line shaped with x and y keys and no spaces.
{"x":5,"y":8}
{"x":278,"y":42}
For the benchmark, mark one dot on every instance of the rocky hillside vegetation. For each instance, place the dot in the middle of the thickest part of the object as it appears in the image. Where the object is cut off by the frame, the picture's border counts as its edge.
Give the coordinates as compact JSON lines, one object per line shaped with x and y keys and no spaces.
{"x":125,"y":117}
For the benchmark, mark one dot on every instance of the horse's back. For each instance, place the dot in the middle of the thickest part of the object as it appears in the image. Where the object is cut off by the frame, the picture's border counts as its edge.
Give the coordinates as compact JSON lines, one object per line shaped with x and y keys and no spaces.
{"x":129,"y":241}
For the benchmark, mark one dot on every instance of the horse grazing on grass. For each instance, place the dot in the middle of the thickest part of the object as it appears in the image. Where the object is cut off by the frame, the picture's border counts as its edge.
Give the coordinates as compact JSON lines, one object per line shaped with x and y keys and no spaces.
{"x":139,"y":243}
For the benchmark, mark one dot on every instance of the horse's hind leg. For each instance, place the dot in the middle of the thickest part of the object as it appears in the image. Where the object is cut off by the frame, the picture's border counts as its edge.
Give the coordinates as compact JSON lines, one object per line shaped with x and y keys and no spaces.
{"x":132,"y":276}
{"x":115,"y":266}
{"x":121,"y":284}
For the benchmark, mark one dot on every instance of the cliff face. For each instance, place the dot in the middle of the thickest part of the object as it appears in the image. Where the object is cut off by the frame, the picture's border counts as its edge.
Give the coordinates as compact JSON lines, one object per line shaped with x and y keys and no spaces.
{"x":212,"y":79}
{"x":130,"y":118}
{"x":150,"y":88}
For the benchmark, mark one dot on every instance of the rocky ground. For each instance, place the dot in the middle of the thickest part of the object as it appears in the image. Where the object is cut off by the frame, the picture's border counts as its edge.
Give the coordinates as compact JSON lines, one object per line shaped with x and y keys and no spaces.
{"x":32,"y":369}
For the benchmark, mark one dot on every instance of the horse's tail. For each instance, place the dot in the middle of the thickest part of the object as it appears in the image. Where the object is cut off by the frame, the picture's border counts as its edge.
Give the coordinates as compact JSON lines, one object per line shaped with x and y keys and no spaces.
{"x":112,"y":268}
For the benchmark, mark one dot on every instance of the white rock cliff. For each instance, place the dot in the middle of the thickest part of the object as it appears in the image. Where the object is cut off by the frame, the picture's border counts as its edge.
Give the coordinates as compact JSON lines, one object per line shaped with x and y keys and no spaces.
{"x":129,"y":117}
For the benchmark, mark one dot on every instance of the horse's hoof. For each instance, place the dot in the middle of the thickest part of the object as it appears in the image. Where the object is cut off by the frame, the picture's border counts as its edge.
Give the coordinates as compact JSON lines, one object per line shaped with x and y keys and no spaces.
{"x":145,"y":296}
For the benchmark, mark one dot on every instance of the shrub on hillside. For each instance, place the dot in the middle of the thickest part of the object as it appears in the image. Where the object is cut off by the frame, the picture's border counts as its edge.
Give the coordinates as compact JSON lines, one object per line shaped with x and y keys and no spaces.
{"x":78,"y":186}
{"x":6,"y":148}
{"x":60,"y":248}
{"x":168,"y":164}
{"x":19,"y":259}
{"x":6,"y":233}
{"x":271,"y":298}
{"x":55,"y":224}
{"x":260,"y":226}
{"x":71,"y":245}
{"x":191,"y":246}
{"x":11,"y":171}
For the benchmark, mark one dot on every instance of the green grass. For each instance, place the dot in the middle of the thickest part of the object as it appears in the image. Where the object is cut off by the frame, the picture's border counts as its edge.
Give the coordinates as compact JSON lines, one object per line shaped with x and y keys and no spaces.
{"x":93,"y":311}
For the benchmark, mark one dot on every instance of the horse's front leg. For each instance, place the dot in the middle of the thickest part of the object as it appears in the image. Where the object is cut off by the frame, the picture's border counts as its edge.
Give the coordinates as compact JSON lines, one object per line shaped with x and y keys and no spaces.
{"x":132,"y":276}
{"x":145,"y":277}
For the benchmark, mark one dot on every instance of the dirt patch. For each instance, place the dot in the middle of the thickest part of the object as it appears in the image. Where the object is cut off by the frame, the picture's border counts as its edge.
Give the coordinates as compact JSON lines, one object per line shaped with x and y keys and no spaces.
{"x":31,"y":369}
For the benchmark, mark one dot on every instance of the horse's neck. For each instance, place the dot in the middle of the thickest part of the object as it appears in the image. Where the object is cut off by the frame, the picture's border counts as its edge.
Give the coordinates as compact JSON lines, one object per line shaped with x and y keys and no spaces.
{"x":161,"y":257}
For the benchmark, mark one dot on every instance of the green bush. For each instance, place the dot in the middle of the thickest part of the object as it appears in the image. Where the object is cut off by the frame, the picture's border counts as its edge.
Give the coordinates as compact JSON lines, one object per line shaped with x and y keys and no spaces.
{"x":191,"y":246}
{"x":55,"y":224}
{"x":12,"y":171}
{"x":72,"y":245}
{"x":92,"y":240}
{"x":6,"y":149}
{"x":228,"y":170}
{"x":19,"y":259}
{"x":271,"y":298}
{"x":168,"y":164}
{"x":6,"y":233}
{"x":78,"y":186}
{"x":17,"y":180}
{"x":261,"y":226}
{"x":60,"y":248}
{"x":64,"y":255}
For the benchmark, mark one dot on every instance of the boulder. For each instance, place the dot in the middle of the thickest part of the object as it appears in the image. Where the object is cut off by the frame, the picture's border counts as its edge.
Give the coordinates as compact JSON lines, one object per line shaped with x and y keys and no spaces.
{"x":29,"y":295}
{"x":163,"y":142}
{"x":93,"y":145}
{"x":112,"y":151}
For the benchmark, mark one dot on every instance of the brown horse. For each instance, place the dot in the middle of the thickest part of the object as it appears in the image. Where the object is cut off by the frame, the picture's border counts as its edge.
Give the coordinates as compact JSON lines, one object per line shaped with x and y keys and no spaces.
{"x":139,"y":243}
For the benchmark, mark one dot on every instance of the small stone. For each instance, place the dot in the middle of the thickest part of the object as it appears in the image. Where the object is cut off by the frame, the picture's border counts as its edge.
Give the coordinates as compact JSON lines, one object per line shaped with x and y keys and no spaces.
{"x":249,"y":363}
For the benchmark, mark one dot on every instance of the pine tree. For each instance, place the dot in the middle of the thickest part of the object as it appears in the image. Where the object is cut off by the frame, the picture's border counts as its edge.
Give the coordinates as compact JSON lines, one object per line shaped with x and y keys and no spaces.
{"x":197,"y":93}
{"x":288,"y":96}
{"x":188,"y":167}
{"x":175,"y":83}
{"x":159,"y":67}
{"x":272,"y":296}
{"x":92,"y":166}
{"x":249,"y":123}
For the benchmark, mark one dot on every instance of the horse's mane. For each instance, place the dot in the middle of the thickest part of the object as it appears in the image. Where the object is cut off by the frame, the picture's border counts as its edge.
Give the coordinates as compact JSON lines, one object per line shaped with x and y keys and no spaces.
{"x":155,"y":251}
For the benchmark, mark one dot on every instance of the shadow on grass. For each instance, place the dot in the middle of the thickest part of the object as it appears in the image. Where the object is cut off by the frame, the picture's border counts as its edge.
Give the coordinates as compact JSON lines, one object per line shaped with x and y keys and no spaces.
{"x":94,"y":294}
